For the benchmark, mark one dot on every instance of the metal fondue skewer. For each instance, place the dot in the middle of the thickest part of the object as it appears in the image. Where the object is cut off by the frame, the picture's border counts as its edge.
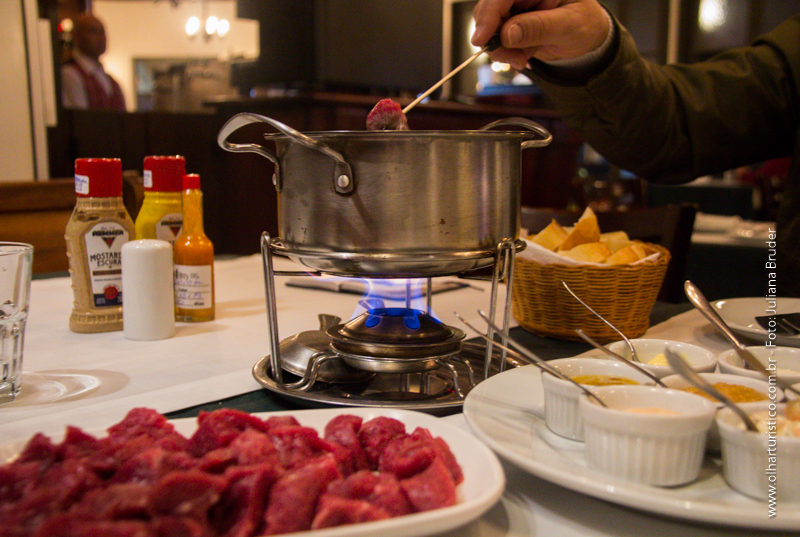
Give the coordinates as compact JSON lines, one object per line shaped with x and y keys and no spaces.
{"x":493,"y":43}
{"x":526,"y":354}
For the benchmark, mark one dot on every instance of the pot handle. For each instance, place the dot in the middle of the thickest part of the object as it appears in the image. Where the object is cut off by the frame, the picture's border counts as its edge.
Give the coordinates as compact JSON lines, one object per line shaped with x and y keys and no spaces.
{"x":528,"y":124}
{"x":342,"y":174}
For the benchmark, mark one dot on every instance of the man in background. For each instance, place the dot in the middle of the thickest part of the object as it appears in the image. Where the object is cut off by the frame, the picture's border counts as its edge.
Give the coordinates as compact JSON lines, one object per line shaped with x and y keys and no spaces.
{"x":84,"y":82}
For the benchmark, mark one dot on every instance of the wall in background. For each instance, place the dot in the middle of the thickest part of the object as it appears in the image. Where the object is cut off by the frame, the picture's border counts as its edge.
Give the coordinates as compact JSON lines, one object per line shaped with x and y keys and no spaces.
{"x":16,"y":139}
{"x":156,"y":30}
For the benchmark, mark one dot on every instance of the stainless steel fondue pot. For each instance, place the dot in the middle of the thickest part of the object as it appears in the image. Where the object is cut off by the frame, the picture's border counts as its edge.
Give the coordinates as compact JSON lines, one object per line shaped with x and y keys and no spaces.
{"x":394,"y":203}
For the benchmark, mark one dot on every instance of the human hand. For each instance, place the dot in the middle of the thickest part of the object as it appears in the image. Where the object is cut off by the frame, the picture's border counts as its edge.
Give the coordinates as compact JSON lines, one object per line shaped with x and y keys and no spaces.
{"x":543,"y":29}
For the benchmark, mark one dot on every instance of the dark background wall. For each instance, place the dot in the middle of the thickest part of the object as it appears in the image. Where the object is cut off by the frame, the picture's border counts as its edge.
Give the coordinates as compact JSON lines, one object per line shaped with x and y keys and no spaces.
{"x":379,"y":44}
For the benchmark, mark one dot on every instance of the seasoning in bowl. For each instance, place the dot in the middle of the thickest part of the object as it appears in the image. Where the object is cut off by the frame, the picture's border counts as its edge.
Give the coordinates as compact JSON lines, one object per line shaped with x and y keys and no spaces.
{"x":777,"y":425}
{"x":561,"y":396}
{"x":735,"y":392}
{"x":651,"y":354}
{"x":602,"y":380}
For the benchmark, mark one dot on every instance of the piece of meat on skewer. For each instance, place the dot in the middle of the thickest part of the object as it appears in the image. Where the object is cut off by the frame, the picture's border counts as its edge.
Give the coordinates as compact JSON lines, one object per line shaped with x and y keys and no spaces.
{"x":387,"y":115}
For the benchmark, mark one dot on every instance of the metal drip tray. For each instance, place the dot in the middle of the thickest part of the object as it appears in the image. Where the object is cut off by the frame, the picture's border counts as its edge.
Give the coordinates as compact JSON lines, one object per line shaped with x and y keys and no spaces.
{"x":381,"y":264}
{"x":389,"y":390}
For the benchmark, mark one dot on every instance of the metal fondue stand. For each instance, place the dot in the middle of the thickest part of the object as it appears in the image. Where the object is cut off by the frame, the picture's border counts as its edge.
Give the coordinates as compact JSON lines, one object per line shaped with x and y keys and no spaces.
{"x":273,"y":365}
{"x":337,"y":196}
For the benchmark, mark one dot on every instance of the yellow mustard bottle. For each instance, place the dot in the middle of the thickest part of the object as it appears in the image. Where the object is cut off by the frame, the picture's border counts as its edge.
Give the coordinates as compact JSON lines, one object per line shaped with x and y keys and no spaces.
{"x":97,"y":229}
{"x":193,"y":259}
{"x":160,"y":216}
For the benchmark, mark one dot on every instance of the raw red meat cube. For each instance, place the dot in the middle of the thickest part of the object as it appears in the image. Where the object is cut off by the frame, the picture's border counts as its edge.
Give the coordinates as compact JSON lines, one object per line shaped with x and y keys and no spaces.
{"x":186,"y":494}
{"x":442,"y":451}
{"x":431,"y":489}
{"x":40,"y":449}
{"x":76,"y":526}
{"x":296,"y":445}
{"x":151,"y":465}
{"x":376,"y":433}
{"x":240,"y":510}
{"x":219,"y":428}
{"x":343,"y":431}
{"x":280,"y":421}
{"x":406,"y":456}
{"x":121,"y":500}
{"x":293,"y":499}
{"x":387,"y":115}
{"x":141,"y":421}
{"x":337,"y":511}
{"x":381,"y":490}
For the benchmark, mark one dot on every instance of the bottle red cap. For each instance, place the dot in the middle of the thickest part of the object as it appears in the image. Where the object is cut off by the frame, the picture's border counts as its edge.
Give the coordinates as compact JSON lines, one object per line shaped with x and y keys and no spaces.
{"x":191,"y":180}
{"x":98,"y":177}
{"x":164,"y":174}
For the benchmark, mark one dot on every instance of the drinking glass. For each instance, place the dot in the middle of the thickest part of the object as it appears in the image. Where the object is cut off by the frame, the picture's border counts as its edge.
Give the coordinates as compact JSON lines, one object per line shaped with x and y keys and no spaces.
{"x":15,"y":287}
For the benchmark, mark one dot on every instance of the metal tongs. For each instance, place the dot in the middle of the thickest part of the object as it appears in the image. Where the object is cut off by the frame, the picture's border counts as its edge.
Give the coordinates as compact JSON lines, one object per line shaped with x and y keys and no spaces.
{"x":525,"y":354}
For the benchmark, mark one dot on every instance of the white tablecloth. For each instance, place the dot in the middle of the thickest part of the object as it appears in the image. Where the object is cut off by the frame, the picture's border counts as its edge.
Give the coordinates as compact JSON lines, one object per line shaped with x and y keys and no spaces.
{"x":93,"y":380}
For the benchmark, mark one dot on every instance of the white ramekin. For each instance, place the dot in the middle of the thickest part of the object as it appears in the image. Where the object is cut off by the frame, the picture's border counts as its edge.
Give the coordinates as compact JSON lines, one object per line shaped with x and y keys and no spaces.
{"x":678,"y":382}
{"x":699,"y":358}
{"x":561,"y":397}
{"x":653,"y":449}
{"x":785,"y":359}
{"x":746,"y":462}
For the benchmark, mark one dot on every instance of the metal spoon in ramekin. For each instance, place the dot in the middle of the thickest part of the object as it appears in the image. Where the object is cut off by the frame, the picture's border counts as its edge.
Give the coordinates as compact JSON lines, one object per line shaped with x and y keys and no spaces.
{"x":680,"y":366}
{"x":519,"y":349}
{"x":634,"y":357}
{"x":636,"y":365}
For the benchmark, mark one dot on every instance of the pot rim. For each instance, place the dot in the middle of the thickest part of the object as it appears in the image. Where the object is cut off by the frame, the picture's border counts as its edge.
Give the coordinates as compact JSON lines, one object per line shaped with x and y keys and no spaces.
{"x":480,"y":135}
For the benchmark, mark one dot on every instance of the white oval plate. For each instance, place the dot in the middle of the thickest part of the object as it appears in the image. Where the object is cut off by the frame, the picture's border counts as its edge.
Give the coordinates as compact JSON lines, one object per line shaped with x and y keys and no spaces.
{"x":740,"y":314}
{"x":506,"y":411}
{"x":484,"y":480}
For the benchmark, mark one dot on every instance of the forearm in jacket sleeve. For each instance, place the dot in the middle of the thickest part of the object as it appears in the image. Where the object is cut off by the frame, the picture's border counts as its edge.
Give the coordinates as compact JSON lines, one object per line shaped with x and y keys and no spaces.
{"x":675,"y":123}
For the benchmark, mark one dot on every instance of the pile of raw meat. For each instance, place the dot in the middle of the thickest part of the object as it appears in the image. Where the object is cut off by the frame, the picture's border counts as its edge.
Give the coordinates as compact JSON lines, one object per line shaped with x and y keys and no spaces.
{"x":387,"y":115}
{"x":237,"y":475}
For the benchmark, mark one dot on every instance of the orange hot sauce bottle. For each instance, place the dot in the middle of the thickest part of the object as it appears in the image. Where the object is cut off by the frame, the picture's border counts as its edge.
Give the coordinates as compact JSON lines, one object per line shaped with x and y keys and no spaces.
{"x":193,"y":259}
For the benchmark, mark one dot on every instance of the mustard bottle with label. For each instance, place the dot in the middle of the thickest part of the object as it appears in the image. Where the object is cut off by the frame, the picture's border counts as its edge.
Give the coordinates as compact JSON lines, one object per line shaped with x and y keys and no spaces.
{"x":193,"y":259}
{"x":95,"y":233}
{"x":160,"y":216}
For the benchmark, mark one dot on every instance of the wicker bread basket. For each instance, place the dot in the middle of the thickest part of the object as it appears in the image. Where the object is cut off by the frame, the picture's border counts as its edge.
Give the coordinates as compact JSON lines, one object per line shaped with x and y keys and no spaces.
{"x":623,"y":294}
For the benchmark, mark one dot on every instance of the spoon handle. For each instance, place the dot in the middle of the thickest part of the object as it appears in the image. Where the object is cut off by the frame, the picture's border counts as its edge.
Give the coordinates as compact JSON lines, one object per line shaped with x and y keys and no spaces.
{"x":700,"y":302}
{"x":634,"y":356}
{"x":532,"y":358}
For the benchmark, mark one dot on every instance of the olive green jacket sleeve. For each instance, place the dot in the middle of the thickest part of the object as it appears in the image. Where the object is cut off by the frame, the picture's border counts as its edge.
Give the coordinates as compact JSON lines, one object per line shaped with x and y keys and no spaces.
{"x":678,"y":122}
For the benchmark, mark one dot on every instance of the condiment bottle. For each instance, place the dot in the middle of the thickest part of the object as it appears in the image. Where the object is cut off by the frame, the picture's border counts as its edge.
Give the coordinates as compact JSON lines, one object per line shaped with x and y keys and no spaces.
{"x":95,"y":233}
{"x":160,"y":215}
{"x":193,"y":259}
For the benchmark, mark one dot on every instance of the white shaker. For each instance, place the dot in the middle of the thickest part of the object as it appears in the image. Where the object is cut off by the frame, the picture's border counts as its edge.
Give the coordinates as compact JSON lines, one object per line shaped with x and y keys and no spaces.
{"x":148,"y":299}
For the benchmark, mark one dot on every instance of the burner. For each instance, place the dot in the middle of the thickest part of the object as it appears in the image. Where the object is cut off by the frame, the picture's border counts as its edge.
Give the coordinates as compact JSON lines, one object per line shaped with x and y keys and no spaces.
{"x":397,"y":340}
{"x":388,"y":356}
